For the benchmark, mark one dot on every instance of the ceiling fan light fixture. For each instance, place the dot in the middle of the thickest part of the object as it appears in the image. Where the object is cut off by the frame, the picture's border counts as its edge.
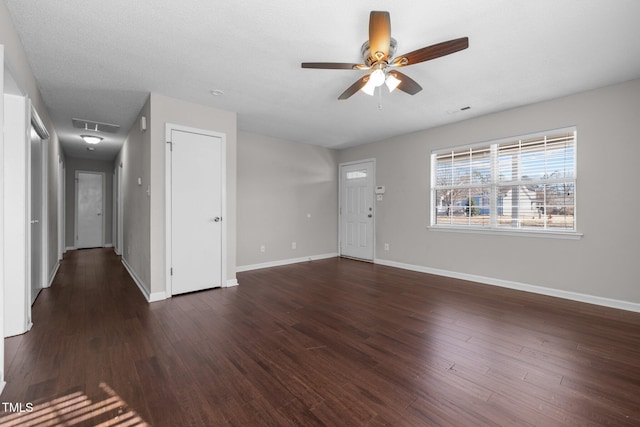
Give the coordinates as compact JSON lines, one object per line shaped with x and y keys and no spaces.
{"x":369,"y":88}
{"x":91,"y":139}
{"x":377,"y":78}
{"x":392,"y":82}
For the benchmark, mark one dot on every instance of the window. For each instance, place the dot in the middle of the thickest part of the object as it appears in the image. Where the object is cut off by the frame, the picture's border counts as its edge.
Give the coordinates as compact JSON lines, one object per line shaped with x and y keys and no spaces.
{"x":523,"y":183}
{"x":357,"y":174}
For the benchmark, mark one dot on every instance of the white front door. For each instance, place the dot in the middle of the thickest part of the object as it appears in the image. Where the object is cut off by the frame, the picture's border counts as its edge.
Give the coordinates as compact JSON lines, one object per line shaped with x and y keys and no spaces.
{"x":36,"y":215}
{"x":356,"y":210}
{"x":89,"y":210}
{"x":196,"y":211}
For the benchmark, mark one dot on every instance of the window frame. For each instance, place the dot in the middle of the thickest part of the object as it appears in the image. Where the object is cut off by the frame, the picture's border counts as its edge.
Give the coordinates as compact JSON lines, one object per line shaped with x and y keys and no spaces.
{"x":495,"y":182}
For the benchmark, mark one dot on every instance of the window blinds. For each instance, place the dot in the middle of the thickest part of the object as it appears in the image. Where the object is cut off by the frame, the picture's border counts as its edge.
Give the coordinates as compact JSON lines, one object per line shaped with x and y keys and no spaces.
{"x":520,"y":183}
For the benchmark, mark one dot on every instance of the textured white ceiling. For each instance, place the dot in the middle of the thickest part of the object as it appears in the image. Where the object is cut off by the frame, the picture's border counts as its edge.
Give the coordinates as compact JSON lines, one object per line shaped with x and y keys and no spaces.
{"x":98,"y":60}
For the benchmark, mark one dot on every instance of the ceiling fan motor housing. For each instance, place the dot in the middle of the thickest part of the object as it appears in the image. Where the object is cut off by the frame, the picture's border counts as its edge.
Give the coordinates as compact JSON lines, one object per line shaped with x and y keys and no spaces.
{"x":370,"y":58}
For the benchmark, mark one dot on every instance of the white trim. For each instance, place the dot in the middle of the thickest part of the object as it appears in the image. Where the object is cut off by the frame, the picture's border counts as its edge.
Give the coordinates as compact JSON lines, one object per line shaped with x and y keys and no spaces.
{"x":2,"y":207}
{"x":120,"y":214}
{"x":231,"y":283}
{"x":270,"y":264}
{"x":52,"y":275}
{"x":169,"y":127}
{"x":35,"y":123}
{"x":569,"y":235}
{"x":70,"y":248}
{"x":61,"y":207}
{"x":150,"y":297}
{"x":157,"y":296}
{"x":574,"y":296}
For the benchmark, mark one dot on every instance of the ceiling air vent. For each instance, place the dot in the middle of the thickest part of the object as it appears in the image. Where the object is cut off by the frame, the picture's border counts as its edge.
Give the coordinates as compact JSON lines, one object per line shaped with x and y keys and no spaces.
{"x":95,"y":126}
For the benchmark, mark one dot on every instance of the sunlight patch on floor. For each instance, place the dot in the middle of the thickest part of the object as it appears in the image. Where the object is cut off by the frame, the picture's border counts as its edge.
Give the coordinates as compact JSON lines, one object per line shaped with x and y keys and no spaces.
{"x":77,"y":409}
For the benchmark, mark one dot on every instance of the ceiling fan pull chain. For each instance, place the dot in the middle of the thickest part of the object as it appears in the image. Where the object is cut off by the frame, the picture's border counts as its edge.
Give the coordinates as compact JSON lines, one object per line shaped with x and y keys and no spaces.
{"x":380,"y":98}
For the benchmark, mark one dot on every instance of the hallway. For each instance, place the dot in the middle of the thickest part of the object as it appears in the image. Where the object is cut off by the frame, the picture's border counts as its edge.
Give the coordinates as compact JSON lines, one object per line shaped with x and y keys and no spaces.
{"x":86,"y":333}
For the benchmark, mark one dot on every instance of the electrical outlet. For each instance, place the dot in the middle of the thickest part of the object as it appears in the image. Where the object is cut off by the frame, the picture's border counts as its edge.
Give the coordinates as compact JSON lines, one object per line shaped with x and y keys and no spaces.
{"x":293,"y":245}
{"x":386,"y":246}
{"x":262,"y":248}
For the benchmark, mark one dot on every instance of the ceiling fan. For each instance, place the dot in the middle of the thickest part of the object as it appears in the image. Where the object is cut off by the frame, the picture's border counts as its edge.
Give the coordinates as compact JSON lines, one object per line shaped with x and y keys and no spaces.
{"x":378,"y":55}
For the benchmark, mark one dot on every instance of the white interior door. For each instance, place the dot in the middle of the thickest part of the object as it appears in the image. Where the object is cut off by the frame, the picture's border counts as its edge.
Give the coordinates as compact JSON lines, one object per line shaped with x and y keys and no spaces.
{"x":36,"y":215}
{"x":196,"y":211}
{"x":357,"y":210}
{"x":89,"y":209}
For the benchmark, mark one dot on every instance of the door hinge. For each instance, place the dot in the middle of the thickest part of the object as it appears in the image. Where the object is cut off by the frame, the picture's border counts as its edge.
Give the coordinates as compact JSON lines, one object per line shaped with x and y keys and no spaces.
{"x":170,"y":145}
{"x":171,"y":271}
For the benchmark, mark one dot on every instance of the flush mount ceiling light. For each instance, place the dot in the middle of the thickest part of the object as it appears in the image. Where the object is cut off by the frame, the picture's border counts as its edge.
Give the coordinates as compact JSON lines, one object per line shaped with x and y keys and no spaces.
{"x":91,"y":139}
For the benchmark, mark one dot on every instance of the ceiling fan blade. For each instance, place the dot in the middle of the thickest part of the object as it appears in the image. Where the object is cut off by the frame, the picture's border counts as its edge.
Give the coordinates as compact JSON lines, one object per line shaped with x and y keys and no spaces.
{"x":431,"y":52}
{"x":407,"y":84}
{"x":334,"y":66}
{"x":379,"y":35}
{"x":354,"y":87}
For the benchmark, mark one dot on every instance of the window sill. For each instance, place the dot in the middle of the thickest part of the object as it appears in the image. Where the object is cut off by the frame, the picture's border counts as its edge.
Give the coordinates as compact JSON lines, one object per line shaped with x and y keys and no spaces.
{"x":569,"y":235}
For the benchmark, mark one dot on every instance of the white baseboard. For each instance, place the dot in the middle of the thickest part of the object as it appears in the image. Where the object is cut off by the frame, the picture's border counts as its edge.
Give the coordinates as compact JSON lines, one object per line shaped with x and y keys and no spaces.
{"x":108,"y":245}
{"x":242,"y":268}
{"x":53,"y":273}
{"x":230,"y":283}
{"x":575,"y":296}
{"x":150,"y":297}
{"x":157,"y":296}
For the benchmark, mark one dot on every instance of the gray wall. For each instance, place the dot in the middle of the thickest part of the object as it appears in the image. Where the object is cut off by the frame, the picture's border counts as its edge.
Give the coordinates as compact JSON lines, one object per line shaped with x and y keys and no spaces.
{"x":134,"y":160}
{"x":87,"y":165}
{"x":16,"y":63}
{"x":603,"y":263}
{"x":143,"y":156}
{"x":287,"y":192}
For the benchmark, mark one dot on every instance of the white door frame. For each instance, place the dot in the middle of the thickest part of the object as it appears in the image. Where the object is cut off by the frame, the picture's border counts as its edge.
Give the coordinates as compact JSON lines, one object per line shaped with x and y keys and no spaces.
{"x":104,"y":196}
{"x":169,"y":127}
{"x":355,"y":162}
{"x":2,"y":241}
{"x":114,"y":210}
{"x":43,"y":134}
{"x":120,"y":213}
{"x":61,"y":207}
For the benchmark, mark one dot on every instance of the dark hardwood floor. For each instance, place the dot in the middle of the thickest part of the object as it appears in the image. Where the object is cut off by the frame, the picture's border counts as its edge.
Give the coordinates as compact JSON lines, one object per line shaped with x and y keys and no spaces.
{"x":334,"y":342}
